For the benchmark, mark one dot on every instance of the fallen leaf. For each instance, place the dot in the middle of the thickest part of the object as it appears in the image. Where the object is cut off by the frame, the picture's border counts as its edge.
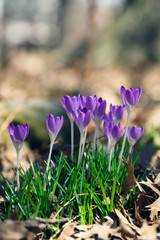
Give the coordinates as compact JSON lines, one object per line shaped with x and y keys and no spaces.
{"x":155,"y":206}
{"x":157,"y":179}
{"x":150,"y":184}
{"x":67,"y":231}
{"x":129,"y":182}
{"x":126,"y":227}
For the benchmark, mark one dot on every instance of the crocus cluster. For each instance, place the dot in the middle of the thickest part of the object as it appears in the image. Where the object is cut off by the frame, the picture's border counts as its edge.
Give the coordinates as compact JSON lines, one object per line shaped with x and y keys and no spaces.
{"x":81,"y":110}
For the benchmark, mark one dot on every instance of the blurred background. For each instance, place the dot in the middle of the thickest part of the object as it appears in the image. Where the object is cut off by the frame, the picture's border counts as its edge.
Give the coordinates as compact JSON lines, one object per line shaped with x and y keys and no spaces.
{"x":52,"y":48}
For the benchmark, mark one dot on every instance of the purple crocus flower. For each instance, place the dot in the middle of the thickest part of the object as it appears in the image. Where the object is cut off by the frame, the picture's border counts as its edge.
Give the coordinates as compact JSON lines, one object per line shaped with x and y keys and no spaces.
{"x":99,"y":110}
{"x":70,"y":104}
{"x":113,"y":133}
{"x":54,"y":125}
{"x":82,"y":118}
{"x":88,"y":102}
{"x":134,"y":134}
{"x":117,"y":112}
{"x":18,"y":135}
{"x":130,"y":97}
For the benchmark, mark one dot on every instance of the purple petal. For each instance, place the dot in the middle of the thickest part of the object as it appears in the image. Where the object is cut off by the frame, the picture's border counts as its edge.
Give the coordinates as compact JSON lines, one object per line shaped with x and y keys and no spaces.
{"x":80,"y":118}
{"x":50,"y":122}
{"x":90,"y":103}
{"x":120,"y":112}
{"x":116,"y":132}
{"x":129,"y":97}
{"x":134,"y":132}
{"x":68,"y":104}
{"x":18,"y":134}
{"x":11,"y":129}
{"x":87,"y":118}
{"x":137,"y":94}
{"x":26,"y":130}
{"x":123,"y":91}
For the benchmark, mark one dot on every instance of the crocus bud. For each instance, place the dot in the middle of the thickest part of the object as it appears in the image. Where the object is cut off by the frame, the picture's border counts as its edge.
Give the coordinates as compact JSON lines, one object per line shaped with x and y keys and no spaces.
{"x":113,"y":133}
{"x":130,"y":97}
{"x":99,"y":111}
{"x":54,"y":125}
{"x":134,"y":134}
{"x":18,"y":135}
{"x":88,"y":102}
{"x":82,"y":118}
{"x":70,"y":104}
{"x":117,"y":112}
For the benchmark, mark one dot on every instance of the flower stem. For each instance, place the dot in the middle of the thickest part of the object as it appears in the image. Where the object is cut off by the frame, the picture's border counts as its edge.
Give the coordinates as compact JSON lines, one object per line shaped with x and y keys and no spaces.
{"x":72,"y":138}
{"x":124,"y":141}
{"x":18,"y":180}
{"x":110,"y":158}
{"x":96,"y":136}
{"x":130,"y":149}
{"x":84,"y":141}
{"x":48,"y":162}
{"x":83,"y":135}
{"x":80,"y":148}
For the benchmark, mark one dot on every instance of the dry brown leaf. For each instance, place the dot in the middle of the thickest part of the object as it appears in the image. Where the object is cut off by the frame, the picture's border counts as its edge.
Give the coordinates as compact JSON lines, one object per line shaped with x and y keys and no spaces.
{"x":137,"y":213}
{"x":67,"y":231}
{"x":14,"y":230}
{"x":101,"y":231}
{"x":157,"y":179}
{"x":155,"y":206}
{"x":150,"y":184}
{"x":148,"y":232}
{"x":126,"y":227}
{"x":129,"y":182}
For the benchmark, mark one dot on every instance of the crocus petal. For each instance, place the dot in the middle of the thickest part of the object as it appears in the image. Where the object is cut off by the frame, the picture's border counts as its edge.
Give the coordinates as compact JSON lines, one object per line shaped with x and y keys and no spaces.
{"x":87,"y":118}
{"x":120,"y":112}
{"x":129,"y":98}
{"x":123,"y":91}
{"x":50,"y":122}
{"x":11,"y":129}
{"x":137,"y":94}
{"x":26,"y":131}
{"x":19,"y":134}
{"x":90,"y":103}
{"x":67,"y":102}
{"x":102,"y":108}
{"x":115,"y":132}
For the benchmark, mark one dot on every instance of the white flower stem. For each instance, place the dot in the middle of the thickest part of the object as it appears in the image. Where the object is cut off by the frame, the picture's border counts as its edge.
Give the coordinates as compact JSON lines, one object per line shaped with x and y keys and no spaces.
{"x":124,"y":141}
{"x":84,"y":141}
{"x":18,"y":180}
{"x":110,"y":158}
{"x":48,"y":162}
{"x":72,"y":138}
{"x":83,"y":135}
{"x":80,"y":148}
{"x":96,"y":136}
{"x":130,"y":149}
